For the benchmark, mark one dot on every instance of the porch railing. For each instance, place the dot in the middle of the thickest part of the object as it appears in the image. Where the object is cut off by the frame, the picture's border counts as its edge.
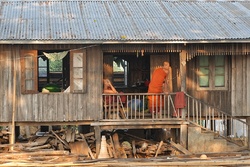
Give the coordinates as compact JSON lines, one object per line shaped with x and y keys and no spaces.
{"x":131,"y":106}
{"x":216,"y":120}
{"x":135,"y":106}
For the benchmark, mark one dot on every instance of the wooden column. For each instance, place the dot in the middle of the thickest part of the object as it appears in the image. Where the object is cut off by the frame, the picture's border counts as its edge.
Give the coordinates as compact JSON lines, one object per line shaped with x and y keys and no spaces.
{"x":183,"y":71}
{"x":184,"y":135}
{"x":183,"y":129}
{"x":12,"y":136}
{"x":97,"y":139}
{"x":248,"y":133}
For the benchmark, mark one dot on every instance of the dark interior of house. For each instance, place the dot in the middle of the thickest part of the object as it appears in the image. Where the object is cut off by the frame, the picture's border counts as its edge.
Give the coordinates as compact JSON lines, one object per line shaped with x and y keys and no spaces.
{"x":53,"y":74}
{"x":131,"y":72}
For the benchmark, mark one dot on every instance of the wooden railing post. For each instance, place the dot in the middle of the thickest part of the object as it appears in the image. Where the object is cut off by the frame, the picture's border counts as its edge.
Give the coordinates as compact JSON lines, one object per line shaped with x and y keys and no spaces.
{"x":183,"y":56}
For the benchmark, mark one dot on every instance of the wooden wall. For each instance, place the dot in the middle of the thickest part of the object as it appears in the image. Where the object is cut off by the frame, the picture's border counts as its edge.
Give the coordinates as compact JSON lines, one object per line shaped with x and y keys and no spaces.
{"x":241,"y":85}
{"x":88,"y":106}
{"x":236,"y":99}
{"x":218,"y":98}
{"x":42,"y":107}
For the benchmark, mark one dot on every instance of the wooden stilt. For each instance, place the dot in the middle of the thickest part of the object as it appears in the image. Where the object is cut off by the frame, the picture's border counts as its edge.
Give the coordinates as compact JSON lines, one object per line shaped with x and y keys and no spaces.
{"x":98,"y":139}
{"x":12,"y":137}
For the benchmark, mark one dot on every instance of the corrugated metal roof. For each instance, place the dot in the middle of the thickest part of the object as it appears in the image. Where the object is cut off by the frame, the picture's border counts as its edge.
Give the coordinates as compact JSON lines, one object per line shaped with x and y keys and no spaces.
{"x":78,"y":21}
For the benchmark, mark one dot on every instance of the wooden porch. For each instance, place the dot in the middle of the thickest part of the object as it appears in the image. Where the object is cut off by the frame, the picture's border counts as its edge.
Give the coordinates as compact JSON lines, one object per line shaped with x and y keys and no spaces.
{"x":130,"y":111}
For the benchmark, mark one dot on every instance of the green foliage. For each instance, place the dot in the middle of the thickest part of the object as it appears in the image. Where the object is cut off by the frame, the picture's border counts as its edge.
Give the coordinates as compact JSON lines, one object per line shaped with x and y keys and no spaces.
{"x":55,"y":66}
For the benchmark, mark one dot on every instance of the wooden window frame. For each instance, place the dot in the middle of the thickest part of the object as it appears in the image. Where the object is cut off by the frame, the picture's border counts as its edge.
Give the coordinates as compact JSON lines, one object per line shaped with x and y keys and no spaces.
{"x":81,"y":54}
{"x":212,"y":86}
{"x":34,"y":69}
{"x":24,"y":78}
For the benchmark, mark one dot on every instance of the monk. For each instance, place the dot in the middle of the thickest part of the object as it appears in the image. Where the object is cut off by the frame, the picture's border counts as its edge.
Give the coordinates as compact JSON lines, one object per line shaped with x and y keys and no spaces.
{"x":158,"y":84}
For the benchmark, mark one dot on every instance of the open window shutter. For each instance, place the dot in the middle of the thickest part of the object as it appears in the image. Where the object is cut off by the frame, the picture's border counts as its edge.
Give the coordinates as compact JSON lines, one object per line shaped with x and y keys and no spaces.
{"x":29,"y":71}
{"x":78,"y":76}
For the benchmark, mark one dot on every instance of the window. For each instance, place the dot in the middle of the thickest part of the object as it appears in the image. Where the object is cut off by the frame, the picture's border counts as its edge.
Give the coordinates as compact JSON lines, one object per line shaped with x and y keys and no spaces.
{"x":39,"y":71}
{"x":78,"y":71}
{"x":120,"y":72}
{"x":212,"y":72}
{"x":50,"y":72}
{"x":29,"y":71}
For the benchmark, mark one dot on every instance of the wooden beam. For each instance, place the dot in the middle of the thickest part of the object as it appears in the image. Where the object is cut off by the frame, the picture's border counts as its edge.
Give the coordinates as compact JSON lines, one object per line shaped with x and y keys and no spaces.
{"x":184,"y":135}
{"x":183,"y":74}
{"x":248,"y":137}
{"x":158,"y":149}
{"x":97,"y":139}
{"x":141,"y":122}
{"x":180,"y":148}
{"x":12,"y":136}
{"x":61,"y":140}
{"x":86,"y":144}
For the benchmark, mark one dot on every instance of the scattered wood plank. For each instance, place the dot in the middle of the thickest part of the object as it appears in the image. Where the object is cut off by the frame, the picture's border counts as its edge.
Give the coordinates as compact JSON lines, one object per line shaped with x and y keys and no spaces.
{"x":89,"y":134}
{"x":119,"y":150}
{"x":113,"y":146}
{"x":86,"y":144}
{"x":36,"y":153}
{"x":158,"y":149}
{"x":37,"y":147}
{"x":70,"y":135}
{"x":134,"y":148}
{"x":180,"y":148}
{"x":64,"y":142}
{"x":42,"y":140}
{"x":79,"y":147}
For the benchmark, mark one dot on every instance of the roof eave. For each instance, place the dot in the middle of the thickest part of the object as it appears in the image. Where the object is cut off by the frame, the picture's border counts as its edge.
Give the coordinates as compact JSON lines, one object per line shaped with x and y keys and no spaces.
{"x":13,"y":42}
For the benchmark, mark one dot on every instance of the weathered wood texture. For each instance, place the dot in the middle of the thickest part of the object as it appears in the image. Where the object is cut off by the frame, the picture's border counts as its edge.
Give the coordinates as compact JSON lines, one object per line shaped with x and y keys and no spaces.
{"x":240,"y":85}
{"x":218,"y":98}
{"x":88,"y":106}
{"x":236,"y":99}
{"x":42,"y":107}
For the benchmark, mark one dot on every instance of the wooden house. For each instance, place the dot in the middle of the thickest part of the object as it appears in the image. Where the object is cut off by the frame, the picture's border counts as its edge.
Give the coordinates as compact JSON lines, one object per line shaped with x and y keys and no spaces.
{"x":207,"y":45}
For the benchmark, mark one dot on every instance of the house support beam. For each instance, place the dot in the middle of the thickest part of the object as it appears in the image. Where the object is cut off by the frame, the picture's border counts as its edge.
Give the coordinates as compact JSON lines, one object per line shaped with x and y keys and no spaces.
{"x":248,"y":133}
{"x":184,"y":135}
{"x":98,"y":139}
{"x":183,"y":71}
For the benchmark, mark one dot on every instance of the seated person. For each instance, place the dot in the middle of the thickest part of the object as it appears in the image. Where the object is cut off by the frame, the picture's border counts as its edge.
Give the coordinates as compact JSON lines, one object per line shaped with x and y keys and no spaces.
{"x":108,"y":87}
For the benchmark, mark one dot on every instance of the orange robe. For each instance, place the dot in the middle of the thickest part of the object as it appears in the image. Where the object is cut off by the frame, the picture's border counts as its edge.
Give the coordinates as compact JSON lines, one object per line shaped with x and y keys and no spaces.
{"x":155,"y":86}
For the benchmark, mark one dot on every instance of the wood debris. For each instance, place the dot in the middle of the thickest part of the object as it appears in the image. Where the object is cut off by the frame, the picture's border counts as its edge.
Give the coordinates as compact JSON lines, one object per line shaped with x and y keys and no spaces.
{"x":82,"y":146}
{"x":67,"y":146}
{"x":74,"y":146}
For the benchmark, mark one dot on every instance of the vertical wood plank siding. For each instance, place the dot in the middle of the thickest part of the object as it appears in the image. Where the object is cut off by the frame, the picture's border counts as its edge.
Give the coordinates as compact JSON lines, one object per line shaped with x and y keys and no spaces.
{"x":59,"y":107}
{"x":240,"y":85}
{"x":49,"y":107}
{"x":218,"y":98}
{"x":6,"y":84}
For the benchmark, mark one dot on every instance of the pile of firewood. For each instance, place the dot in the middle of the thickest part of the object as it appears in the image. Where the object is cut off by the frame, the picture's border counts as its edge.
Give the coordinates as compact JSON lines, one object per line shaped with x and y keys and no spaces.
{"x":129,"y":146}
{"x":83,"y":146}
{"x":4,"y":139}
